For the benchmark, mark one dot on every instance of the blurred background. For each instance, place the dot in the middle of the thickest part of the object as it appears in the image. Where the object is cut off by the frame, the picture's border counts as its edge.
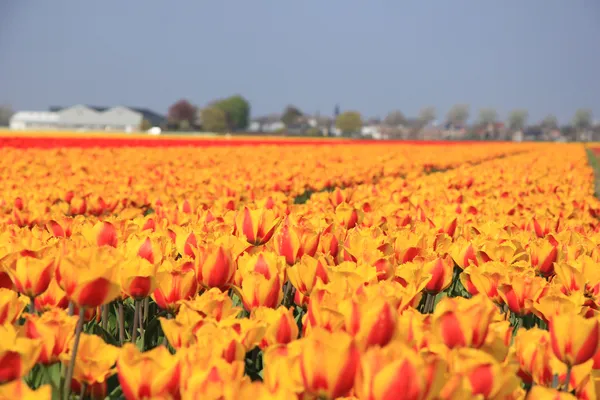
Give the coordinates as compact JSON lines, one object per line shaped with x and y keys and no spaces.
{"x":447,"y":70}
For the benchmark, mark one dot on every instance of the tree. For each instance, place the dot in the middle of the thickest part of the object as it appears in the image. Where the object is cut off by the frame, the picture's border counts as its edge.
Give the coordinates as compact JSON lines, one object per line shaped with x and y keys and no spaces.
{"x":290,"y":115}
{"x":145,"y":125}
{"x":184,"y":125}
{"x":487,"y":116}
{"x":237,"y":110}
{"x":349,"y":122}
{"x":458,"y":114}
{"x":582,"y":120}
{"x":550,"y":122}
{"x":214,"y":119}
{"x":395,"y":118}
{"x":181,"y":111}
{"x":5,"y":113}
{"x":427,"y":114}
{"x":517,"y":120}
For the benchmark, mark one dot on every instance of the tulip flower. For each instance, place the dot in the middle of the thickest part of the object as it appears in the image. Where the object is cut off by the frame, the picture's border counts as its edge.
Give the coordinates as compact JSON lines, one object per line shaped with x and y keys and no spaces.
{"x":574,"y":339}
{"x":281,"y":325}
{"x":20,"y":390}
{"x":11,"y":306}
{"x":371,"y":322}
{"x":463,"y":253}
{"x":463,"y":322}
{"x":305,"y":274}
{"x":53,"y":297}
{"x":485,"y":376}
{"x":537,"y":362}
{"x":293,"y":242}
{"x":256,"y":226}
{"x":151,"y":248}
{"x":542,"y":393}
{"x":485,"y":279}
{"x":347,"y":216}
{"x":215,"y":266}
{"x":328,"y":363}
{"x":329,"y":241}
{"x":262,"y":277}
{"x":212,"y":304}
{"x":17,"y":354}
{"x":55,"y":329}
{"x":542,"y":255}
{"x":89,"y":277}
{"x":174,"y":283}
{"x":94,"y":360}
{"x":101,"y":234}
{"x":151,"y":374}
{"x":138,"y":278}
{"x":441,"y":270}
{"x":521,"y":291}
{"x":396,"y":370}
{"x":32,"y":276}
{"x":203,"y":375}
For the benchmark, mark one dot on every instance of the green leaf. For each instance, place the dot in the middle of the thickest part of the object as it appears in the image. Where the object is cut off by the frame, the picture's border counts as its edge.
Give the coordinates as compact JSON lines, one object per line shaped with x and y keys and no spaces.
{"x":106,"y":336}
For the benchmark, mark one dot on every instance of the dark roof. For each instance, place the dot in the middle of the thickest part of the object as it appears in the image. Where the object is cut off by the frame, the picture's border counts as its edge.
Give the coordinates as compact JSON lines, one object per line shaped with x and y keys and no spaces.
{"x":153,"y":117}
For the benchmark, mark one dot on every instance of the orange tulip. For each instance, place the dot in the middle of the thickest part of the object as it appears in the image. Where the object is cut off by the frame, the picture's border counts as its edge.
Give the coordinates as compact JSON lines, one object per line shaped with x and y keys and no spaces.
{"x":17,"y":355}
{"x":371,"y":322}
{"x":328,"y":363}
{"x":574,"y":339}
{"x":542,"y":393}
{"x":441,"y":270}
{"x":293,"y":242}
{"x":138,"y":278}
{"x":212,"y":304}
{"x":55,"y":329}
{"x":53,"y":297}
{"x":89,"y":276}
{"x":95,"y":360}
{"x":463,"y":322}
{"x":32,"y":276}
{"x":542,"y":255}
{"x":151,"y":248}
{"x":398,"y":371}
{"x":20,"y":390}
{"x":11,"y":306}
{"x":262,"y":276}
{"x":152,"y":374}
{"x":215,"y":266}
{"x":101,"y":234}
{"x":281,"y":325}
{"x":485,"y":279}
{"x":521,"y":292}
{"x":485,"y":376}
{"x":537,"y":362}
{"x":175,"y":282}
{"x":305,"y":274}
{"x":256,"y":226}
{"x":347,"y":216}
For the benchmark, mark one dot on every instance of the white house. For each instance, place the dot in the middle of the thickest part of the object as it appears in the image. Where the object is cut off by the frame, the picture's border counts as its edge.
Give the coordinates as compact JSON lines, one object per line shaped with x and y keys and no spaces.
{"x":81,"y":117}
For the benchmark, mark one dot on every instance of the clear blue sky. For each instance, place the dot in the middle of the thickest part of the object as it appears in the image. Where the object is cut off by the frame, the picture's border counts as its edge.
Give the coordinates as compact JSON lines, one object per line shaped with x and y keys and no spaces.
{"x":372,"y":56}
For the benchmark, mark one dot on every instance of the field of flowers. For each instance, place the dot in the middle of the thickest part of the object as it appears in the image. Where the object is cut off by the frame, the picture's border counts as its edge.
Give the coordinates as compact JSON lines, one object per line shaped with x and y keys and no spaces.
{"x":274,"y":270}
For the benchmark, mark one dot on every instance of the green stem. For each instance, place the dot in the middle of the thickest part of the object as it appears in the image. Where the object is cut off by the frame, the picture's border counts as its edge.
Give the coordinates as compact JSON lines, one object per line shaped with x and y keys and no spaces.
{"x":567,"y":379}
{"x":105,"y":310}
{"x":136,"y":318}
{"x":69,"y":376}
{"x":32,"y":306}
{"x":121,"y":322}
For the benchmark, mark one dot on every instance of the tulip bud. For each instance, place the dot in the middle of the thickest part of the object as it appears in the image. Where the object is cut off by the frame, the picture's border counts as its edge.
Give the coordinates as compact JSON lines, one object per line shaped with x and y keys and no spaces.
{"x":256,"y":226}
{"x":574,"y":346}
{"x":215,"y":266}
{"x":281,"y":325}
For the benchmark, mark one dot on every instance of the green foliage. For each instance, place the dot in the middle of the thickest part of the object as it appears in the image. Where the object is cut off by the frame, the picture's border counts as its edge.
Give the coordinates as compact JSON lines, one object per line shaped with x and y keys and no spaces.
{"x":582,"y":119}
{"x":458,"y":114}
{"x":290,"y":115}
{"x":314,"y":132}
{"x":214,"y":119}
{"x":550,"y":122}
{"x":395,"y":118}
{"x":349,"y":122}
{"x":488,"y":116}
{"x":517,"y":119}
{"x":427,"y":114}
{"x":184,"y":125}
{"x":237,"y":110}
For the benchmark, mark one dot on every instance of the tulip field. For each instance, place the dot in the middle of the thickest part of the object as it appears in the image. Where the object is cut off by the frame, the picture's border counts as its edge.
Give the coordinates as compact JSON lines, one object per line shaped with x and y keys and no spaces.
{"x":281,"y":269}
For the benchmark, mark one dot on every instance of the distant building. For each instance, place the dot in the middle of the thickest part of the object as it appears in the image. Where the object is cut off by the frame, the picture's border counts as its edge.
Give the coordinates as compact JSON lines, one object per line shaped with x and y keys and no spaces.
{"x":81,"y":117}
